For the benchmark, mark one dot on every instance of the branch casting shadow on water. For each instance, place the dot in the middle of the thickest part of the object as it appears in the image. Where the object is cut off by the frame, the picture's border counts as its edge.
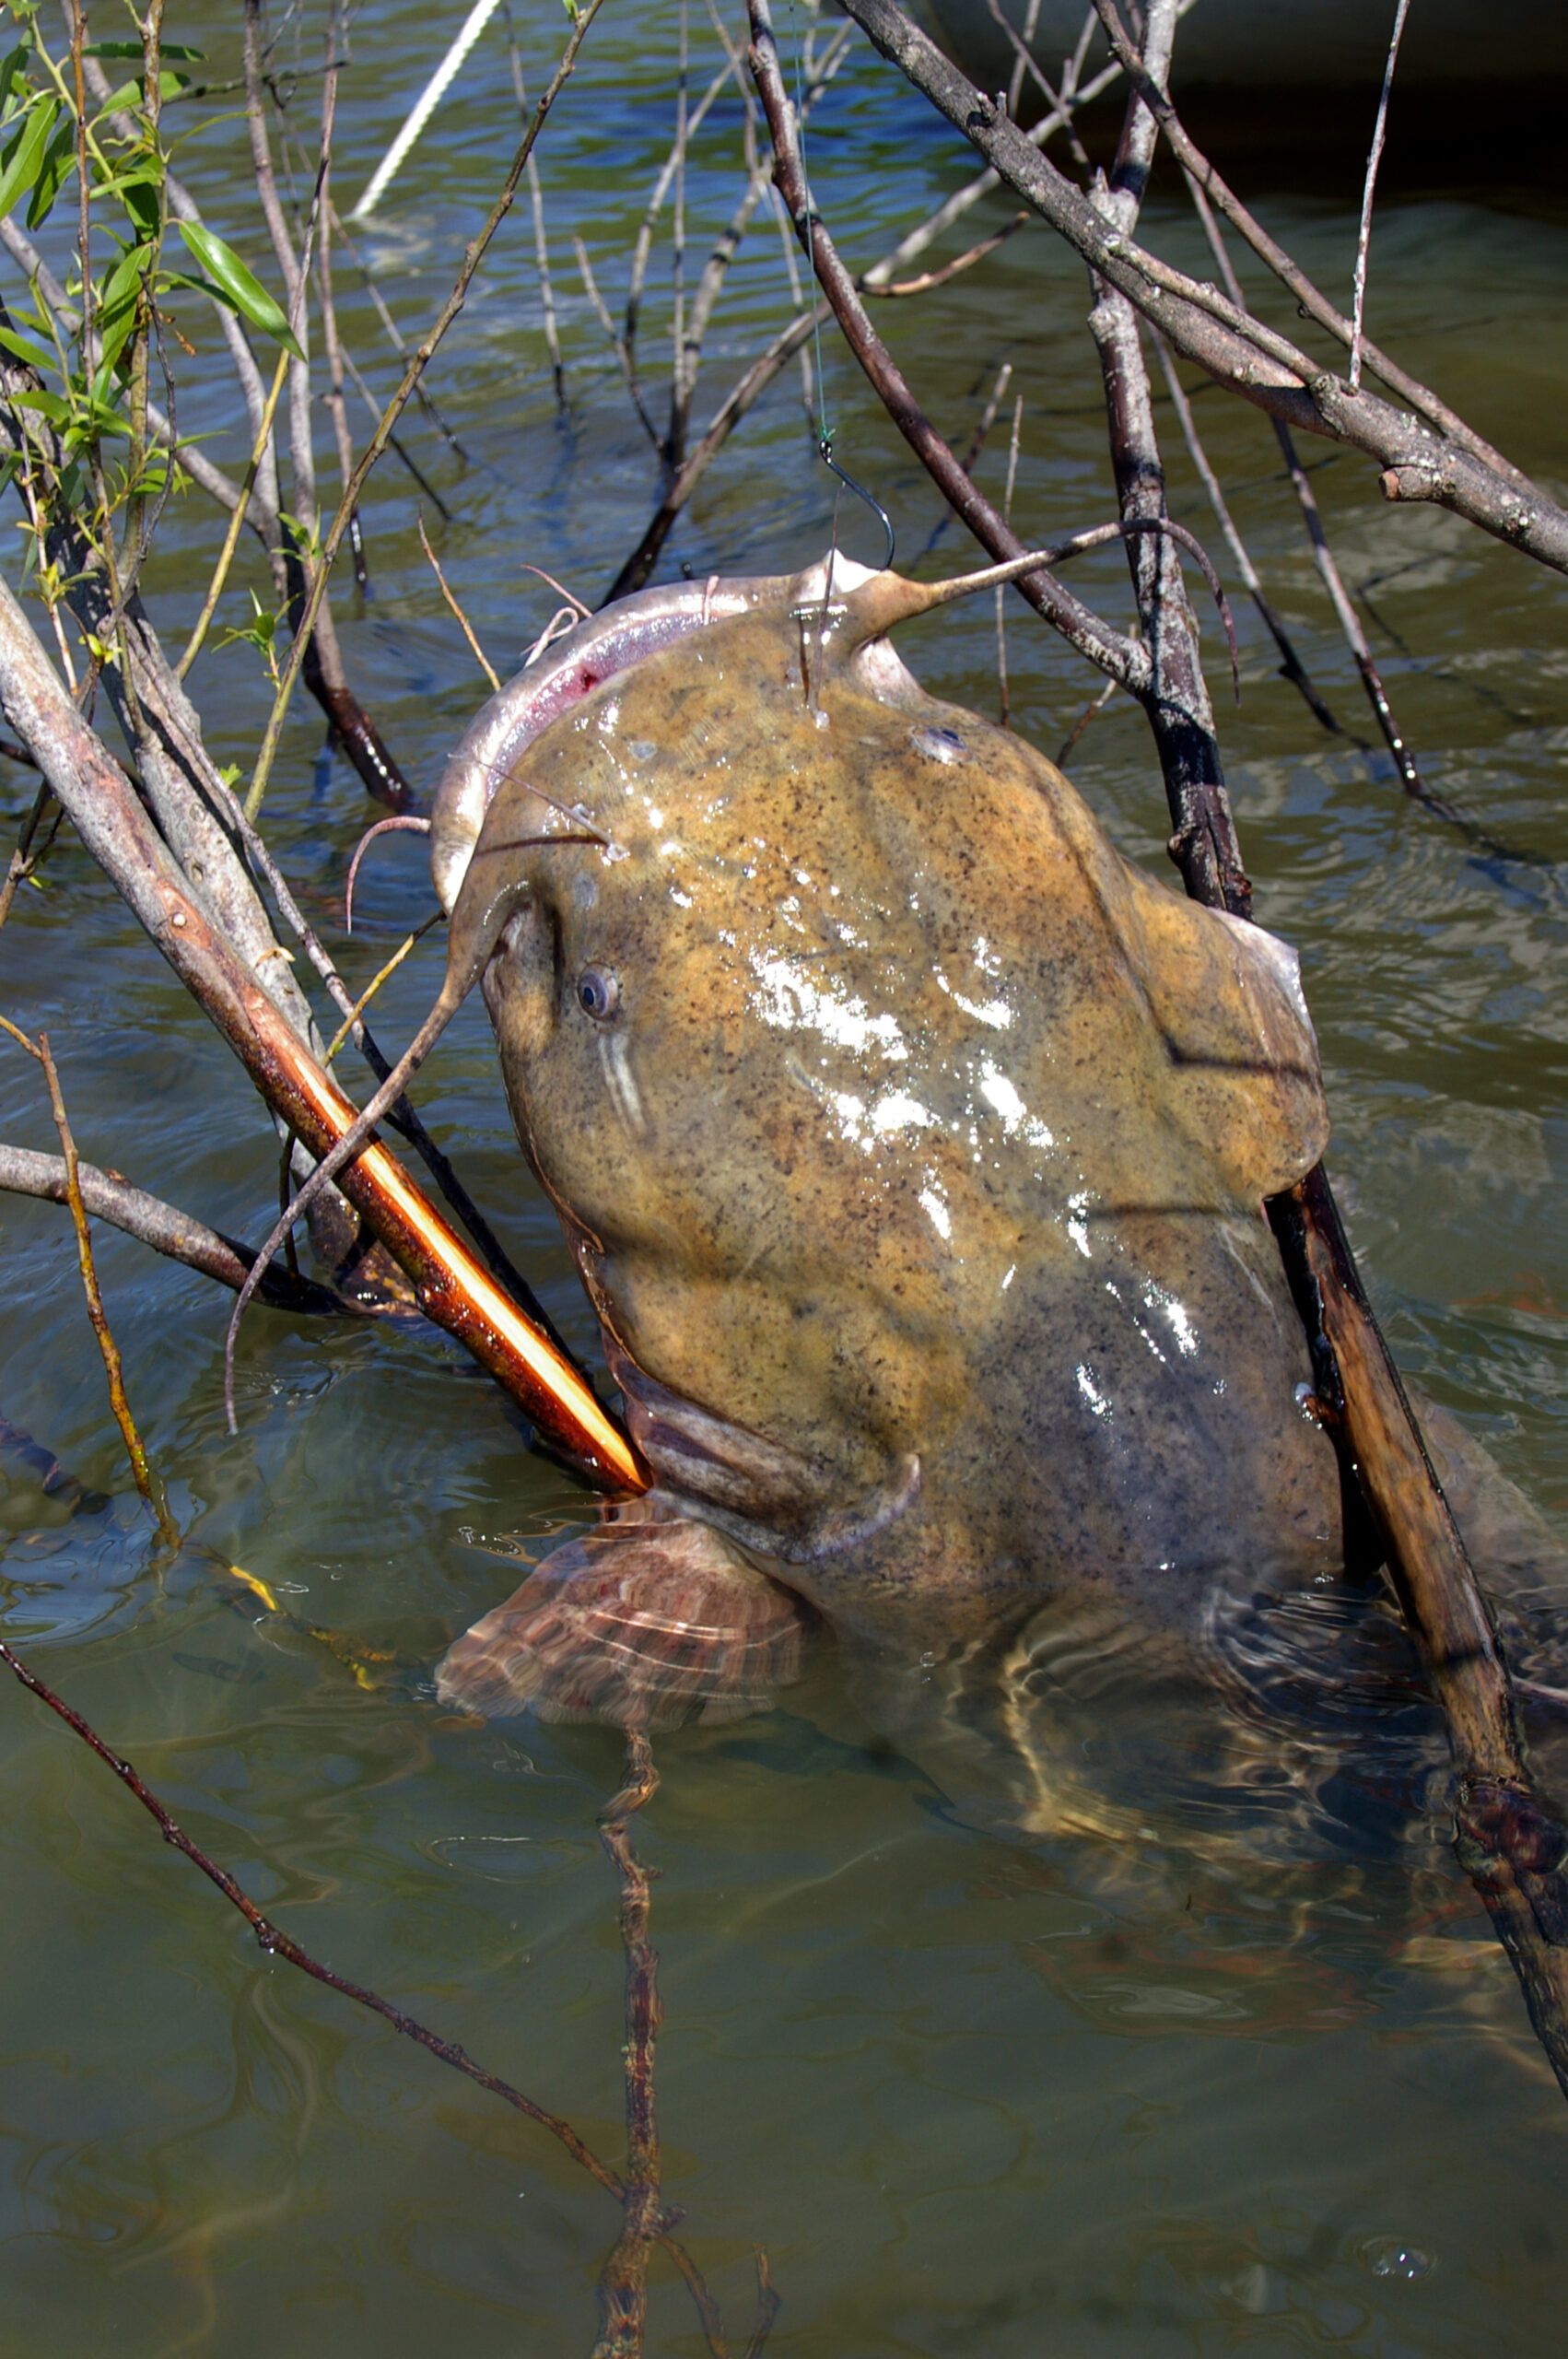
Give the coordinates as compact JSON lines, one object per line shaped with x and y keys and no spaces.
{"x":653,"y":2223}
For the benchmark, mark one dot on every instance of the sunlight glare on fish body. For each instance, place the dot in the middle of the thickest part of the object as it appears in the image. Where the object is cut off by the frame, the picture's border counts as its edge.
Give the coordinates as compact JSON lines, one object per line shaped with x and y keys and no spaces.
{"x":935,"y":1209}
{"x":1017,"y":1121}
{"x":795,"y":1001}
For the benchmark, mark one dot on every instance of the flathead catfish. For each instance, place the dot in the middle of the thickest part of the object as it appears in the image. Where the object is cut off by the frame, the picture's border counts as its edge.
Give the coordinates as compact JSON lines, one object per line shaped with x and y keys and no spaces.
{"x":912,"y":1147}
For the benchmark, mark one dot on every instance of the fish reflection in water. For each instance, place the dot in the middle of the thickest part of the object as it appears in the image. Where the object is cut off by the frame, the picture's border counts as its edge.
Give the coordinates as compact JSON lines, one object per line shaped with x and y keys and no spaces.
{"x":912,"y":1147}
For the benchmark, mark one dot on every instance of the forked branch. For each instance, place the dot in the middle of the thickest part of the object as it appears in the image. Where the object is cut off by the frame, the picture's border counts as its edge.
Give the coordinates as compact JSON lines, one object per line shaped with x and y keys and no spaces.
{"x":1204,"y":325}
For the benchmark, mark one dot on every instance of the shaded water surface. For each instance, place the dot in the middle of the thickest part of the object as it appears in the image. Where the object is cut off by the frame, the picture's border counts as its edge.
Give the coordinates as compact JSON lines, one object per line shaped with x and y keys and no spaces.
{"x":1199,"y":2084}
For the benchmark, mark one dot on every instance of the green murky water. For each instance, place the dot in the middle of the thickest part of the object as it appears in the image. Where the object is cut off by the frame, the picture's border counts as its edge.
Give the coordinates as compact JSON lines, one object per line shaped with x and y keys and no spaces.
{"x":975,"y":2094}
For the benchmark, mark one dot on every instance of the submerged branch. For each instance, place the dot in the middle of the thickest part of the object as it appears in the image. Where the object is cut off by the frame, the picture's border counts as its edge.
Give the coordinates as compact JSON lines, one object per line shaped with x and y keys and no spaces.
{"x":1513,"y":1851}
{"x":169,"y":1231}
{"x":622,"y":2283}
{"x":277,"y":1943}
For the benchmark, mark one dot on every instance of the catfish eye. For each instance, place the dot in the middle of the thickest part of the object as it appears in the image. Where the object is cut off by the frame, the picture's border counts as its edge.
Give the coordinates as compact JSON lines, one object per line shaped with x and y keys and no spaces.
{"x":598,"y":994}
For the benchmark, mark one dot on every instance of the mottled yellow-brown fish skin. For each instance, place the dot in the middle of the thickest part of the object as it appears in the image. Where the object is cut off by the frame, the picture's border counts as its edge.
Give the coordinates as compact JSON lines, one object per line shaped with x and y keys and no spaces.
{"x":912,"y":1144}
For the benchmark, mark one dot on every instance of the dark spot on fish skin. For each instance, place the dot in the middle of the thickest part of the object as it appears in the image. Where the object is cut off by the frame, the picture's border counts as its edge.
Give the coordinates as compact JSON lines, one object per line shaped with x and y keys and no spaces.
{"x":241,"y":1675}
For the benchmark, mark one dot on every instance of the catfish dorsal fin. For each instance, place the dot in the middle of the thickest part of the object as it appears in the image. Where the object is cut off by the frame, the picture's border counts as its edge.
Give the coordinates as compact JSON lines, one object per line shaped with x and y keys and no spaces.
{"x":1226,"y":996}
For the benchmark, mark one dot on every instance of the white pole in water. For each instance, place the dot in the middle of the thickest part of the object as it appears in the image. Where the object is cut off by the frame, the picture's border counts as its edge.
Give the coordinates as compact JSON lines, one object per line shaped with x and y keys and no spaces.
{"x":424,"y":106}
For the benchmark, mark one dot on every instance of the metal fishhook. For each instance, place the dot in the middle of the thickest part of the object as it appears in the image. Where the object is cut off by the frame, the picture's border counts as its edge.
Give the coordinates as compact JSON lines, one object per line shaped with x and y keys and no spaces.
{"x":824,"y":448}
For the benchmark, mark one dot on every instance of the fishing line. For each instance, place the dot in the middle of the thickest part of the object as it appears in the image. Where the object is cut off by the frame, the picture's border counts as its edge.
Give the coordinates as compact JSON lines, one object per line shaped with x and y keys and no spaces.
{"x":824,"y":430}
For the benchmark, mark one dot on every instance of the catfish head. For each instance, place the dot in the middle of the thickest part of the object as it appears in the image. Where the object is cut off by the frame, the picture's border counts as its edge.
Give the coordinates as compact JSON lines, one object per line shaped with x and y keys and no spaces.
{"x":840,"y":1037}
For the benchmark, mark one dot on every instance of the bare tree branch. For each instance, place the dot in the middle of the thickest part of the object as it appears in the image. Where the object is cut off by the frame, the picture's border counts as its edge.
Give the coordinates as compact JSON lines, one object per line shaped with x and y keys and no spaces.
{"x":453,"y":1288}
{"x":1124,"y":661}
{"x":172,"y":1233}
{"x":1204,"y":326}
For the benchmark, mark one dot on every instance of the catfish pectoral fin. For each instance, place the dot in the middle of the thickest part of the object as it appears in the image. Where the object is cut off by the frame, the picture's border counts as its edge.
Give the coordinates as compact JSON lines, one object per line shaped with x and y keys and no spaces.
{"x":638,"y":1626}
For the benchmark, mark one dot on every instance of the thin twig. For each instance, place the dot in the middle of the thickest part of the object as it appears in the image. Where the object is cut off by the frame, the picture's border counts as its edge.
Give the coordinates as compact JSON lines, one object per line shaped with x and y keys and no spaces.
{"x":277,"y":1943}
{"x":926,"y":233}
{"x":1021,"y":62}
{"x":395,"y":337}
{"x":643,"y":247}
{"x":316,"y":648}
{"x":1025,"y":64}
{"x":768,"y":2307}
{"x":451,"y":596}
{"x":987,"y":418}
{"x":144,"y":1474}
{"x":621,"y":351}
{"x":231,"y":538}
{"x":683,"y":386}
{"x":1355,"y":638}
{"x":1291,"y":664}
{"x":1085,"y":630}
{"x":419,"y":360}
{"x":977,"y":441}
{"x":24,"y":860}
{"x":558,"y":587}
{"x":536,"y":203}
{"x":330,"y":338}
{"x":1091,"y":712}
{"x":1364,"y":235}
{"x":740,"y":397}
{"x":1001,"y":592}
{"x":954,"y":269}
{"x":1329,"y":570}
{"x":394,"y":443}
{"x":368,"y":993}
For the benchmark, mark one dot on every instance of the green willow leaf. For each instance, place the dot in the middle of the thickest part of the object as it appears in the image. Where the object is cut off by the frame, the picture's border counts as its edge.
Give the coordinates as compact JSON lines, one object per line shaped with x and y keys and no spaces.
{"x":14,"y":73}
{"x":117,"y":315}
{"x":130,"y":94}
{"x":59,"y":163}
{"x":19,"y":170}
{"x":141,"y":194}
{"x":134,"y":49}
{"x":238,"y":286}
{"x":22,"y":347}
{"x":49,"y":405}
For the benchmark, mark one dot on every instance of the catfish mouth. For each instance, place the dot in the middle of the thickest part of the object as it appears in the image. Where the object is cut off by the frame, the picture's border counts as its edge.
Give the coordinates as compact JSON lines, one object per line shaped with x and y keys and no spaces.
{"x":598,"y":650}
{"x":774,"y":1499}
